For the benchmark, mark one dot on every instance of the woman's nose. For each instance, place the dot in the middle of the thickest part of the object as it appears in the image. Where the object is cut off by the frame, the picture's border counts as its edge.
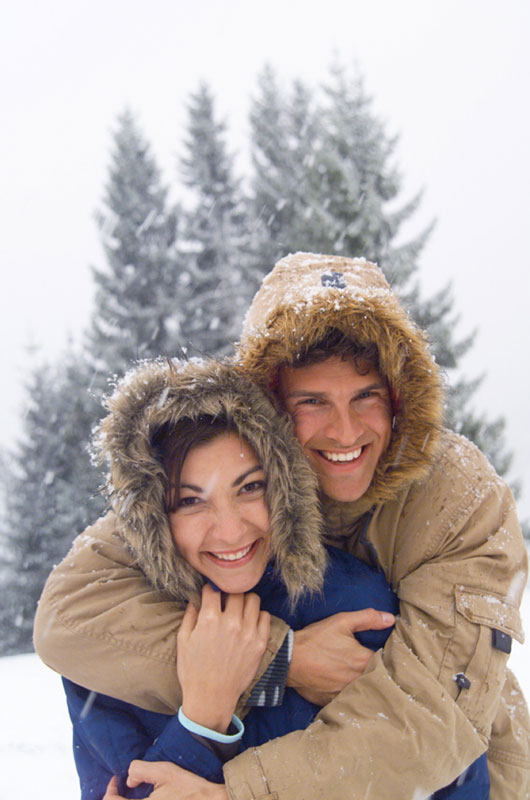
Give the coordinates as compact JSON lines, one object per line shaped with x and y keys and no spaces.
{"x":229,"y":525}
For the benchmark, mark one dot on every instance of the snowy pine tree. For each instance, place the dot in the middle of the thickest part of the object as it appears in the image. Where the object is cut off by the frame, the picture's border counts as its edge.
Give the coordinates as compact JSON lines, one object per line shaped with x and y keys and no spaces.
{"x":289,"y":206}
{"x":53,"y":491}
{"x":139,"y":299}
{"x":324,"y":182}
{"x":215,"y":237}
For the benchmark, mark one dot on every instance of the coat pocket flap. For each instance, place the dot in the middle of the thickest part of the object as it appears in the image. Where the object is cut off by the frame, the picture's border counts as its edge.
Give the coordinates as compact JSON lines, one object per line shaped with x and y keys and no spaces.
{"x":488,"y":608}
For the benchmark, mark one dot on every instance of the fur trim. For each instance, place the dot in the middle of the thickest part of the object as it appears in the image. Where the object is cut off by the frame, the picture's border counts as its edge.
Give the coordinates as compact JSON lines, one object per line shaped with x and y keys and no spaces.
{"x":159,"y":392}
{"x":305,"y":296}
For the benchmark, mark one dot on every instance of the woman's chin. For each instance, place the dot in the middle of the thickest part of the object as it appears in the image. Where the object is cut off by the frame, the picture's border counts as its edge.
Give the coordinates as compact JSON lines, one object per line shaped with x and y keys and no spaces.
{"x":234,"y":578}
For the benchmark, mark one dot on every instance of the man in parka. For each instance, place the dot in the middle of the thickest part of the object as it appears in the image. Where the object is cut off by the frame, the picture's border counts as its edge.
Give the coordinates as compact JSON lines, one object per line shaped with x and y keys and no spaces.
{"x":397,"y":490}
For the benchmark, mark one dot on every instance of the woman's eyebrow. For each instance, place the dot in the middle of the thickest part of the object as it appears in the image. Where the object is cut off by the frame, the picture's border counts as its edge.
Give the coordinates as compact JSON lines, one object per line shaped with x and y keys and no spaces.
{"x":257,"y":468}
{"x":240,"y":479}
{"x":192,"y":487}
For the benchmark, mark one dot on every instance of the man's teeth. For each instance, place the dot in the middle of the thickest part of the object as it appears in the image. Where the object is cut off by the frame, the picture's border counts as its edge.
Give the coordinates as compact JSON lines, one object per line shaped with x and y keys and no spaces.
{"x":233,"y":556}
{"x":354,"y":454}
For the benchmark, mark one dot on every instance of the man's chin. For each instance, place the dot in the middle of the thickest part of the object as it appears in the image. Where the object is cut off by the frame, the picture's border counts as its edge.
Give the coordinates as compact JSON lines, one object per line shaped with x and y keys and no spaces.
{"x":341,"y":494}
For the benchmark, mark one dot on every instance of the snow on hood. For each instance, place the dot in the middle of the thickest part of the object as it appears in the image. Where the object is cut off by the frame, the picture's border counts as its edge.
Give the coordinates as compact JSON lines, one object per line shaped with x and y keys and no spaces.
{"x":306,"y":295}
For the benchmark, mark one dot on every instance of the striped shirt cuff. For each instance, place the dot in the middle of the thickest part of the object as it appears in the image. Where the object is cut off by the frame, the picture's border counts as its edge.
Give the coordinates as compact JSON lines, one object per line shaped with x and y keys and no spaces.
{"x":270,"y":688}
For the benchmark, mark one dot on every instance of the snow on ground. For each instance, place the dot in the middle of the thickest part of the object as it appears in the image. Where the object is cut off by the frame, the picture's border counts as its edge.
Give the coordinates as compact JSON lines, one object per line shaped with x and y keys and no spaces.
{"x":35,"y":752}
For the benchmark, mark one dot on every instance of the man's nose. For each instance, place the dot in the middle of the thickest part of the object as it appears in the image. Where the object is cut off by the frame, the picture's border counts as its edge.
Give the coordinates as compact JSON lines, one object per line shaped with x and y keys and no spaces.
{"x":344,"y":426}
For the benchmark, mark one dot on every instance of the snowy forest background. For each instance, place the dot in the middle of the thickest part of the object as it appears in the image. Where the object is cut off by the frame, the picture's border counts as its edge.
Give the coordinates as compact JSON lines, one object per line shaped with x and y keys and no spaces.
{"x":183,"y":257}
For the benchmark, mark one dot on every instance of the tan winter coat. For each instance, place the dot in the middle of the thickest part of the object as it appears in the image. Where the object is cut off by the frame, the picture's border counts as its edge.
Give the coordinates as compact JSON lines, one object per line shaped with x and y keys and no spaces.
{"x":444,"y":530}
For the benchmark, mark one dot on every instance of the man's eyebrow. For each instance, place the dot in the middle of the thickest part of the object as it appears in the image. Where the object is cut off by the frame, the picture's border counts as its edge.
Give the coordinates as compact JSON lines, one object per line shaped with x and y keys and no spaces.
{"x":378,"y":385}
{"x":360,"y":390}
{"x":257,"y":468}
{"x":307,"y":393}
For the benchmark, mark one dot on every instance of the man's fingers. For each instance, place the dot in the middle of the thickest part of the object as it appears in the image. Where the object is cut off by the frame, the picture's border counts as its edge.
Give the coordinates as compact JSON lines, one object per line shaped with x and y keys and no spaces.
{"x":366,"y":620}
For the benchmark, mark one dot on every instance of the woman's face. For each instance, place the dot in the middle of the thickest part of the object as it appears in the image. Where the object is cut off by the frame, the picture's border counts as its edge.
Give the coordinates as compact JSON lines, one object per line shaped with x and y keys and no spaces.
{"x":221,"y":524}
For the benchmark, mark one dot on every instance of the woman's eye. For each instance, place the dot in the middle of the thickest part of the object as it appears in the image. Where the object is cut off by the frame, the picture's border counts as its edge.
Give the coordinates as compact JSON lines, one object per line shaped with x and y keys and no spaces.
{"x":185,"y":502}
{"x":253,"y":486}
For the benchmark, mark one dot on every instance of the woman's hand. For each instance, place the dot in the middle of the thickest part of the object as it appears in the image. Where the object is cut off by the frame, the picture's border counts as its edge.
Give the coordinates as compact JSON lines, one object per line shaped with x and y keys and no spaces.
{"x":169,"y":781}
{"x":218,"y":653}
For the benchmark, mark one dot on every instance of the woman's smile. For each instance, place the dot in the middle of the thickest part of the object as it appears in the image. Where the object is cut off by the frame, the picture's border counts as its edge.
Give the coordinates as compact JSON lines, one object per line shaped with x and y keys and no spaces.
{"x":221,"y":523}
{"x":236,"y":555}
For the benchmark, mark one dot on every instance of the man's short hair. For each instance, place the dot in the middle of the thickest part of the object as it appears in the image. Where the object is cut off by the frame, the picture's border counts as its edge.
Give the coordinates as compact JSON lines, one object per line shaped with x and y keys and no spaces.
{"x":336,"y":343}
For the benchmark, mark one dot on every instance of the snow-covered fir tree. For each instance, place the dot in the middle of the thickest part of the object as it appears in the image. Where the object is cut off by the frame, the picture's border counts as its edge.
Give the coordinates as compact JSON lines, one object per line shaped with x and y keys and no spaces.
{"x":323,"y":178}
{"x":274,"y":179}
{"x":324,"y":181}
{"x":215,"y":235}
{"x":53,"y":493}
{"x":139,"y":297}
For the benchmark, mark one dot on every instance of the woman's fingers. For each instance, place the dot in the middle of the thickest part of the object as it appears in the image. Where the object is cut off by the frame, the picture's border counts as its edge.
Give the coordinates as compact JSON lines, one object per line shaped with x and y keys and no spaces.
{"x":112,"y":789}
{"x":189,"y":620}
{"x":251,"y":608}
{"x":234,"y":606}
{"x":264,"y":628}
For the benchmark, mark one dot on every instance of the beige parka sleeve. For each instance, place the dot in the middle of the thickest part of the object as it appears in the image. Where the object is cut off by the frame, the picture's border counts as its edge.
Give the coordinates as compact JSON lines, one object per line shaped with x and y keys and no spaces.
{"x":102,"y":625}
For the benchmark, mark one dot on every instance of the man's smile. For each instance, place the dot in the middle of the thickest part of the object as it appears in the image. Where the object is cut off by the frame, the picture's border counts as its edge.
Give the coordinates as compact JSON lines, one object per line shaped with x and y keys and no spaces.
{"x":342,"y":419}
{"x":352,"y":455}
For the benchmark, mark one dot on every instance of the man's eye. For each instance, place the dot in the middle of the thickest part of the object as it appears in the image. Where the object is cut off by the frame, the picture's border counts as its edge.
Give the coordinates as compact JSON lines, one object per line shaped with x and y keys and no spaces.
{"x":309,"y":401}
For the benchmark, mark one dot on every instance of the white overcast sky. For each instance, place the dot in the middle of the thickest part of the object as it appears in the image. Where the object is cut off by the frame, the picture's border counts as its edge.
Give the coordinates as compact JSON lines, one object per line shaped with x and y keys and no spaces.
{"x":450,"y":78}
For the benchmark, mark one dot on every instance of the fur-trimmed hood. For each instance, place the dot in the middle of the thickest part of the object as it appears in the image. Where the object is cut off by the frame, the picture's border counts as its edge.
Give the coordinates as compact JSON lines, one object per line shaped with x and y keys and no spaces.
{"x":163,"y":391}
{"x":304,"y":297}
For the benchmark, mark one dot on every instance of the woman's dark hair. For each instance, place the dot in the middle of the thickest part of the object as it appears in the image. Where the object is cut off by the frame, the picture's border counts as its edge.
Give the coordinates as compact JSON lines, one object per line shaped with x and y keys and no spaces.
{"x":172,"y":443}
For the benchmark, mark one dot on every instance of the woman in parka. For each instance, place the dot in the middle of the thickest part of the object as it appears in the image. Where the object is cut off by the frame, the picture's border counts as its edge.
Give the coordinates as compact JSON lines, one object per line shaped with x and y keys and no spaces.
{"x":164,"y":416}
{"x":210,"y":489}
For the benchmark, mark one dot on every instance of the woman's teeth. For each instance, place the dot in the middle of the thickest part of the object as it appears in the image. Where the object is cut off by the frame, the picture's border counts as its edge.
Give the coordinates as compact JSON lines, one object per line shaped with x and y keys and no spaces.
{"x":354,"y":454}
{"x":233,"y":556}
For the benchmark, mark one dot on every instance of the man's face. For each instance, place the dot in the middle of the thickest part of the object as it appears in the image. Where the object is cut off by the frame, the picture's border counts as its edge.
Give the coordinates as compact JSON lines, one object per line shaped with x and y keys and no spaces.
{"x":342,"y":420}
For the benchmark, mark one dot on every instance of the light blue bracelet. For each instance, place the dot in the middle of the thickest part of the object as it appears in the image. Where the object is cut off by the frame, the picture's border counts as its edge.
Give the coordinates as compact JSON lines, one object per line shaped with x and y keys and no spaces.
{"x":193,"y":727}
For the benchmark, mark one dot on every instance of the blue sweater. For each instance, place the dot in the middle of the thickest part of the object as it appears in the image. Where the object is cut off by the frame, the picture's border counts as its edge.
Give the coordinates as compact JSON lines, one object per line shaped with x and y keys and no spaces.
{"x":109,"y":733}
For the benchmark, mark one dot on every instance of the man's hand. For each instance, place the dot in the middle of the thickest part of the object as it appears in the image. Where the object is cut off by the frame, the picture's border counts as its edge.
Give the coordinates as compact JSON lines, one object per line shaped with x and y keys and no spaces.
{"x":170,"y":783}
{"x":327,"y":656}
{"x":218,"y":653}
